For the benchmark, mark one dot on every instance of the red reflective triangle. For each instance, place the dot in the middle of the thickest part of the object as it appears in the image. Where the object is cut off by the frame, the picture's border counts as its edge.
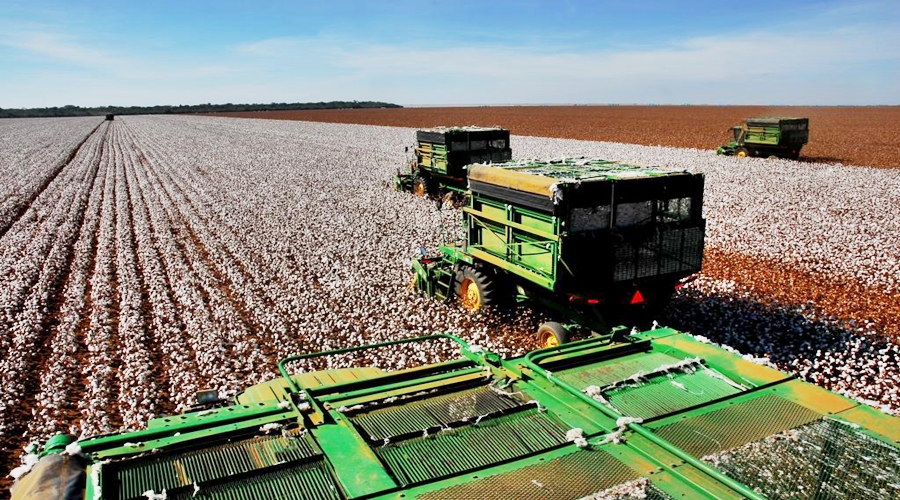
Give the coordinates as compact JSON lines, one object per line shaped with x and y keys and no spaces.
{"x":637,"y":298}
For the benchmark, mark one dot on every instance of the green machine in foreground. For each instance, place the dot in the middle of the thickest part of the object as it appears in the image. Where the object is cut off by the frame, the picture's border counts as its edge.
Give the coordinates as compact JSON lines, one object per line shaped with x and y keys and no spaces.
{"x":599,"y":243}
{"x":658,"y":415}
{"x":442,"y":155}
{"x":771,"y":137}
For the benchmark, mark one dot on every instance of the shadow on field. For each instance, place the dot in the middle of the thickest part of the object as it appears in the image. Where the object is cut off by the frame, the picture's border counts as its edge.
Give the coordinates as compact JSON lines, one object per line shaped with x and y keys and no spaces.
{"x":781,"y":334}
{"x":823,"y":159}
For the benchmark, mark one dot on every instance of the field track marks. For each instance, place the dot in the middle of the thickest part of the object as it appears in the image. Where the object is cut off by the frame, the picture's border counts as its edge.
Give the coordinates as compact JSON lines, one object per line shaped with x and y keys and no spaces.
{"x":140,"y":387}
{"x":28,"y":360}
{"x":22,"y":206}
{"x":62,"y":390}
{"x":221,"y":324}
{"x":170,"y":352}
{"x":101,"y":367}
{"x":200,"y":338}
{"x":231,"y":290}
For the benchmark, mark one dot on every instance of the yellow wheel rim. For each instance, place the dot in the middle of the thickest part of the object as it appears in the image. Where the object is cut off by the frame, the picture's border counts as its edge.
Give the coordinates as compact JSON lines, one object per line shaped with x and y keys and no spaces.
{"x":469,"y":295}
{"x":412,"y":282}
{"x":419,"y":189}
{"x":548,"y":340}
{"x":741,"y":154}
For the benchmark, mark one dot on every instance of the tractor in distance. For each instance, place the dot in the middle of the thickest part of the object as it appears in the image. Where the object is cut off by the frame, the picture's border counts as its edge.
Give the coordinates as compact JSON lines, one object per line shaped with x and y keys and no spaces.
{"x":597,"y":243}
{"x":769,"y":137}
{"x":442,"y":154}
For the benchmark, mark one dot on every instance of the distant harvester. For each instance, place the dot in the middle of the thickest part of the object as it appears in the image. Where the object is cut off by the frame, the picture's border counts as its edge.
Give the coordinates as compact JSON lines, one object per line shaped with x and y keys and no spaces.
{"x":771,"y":136}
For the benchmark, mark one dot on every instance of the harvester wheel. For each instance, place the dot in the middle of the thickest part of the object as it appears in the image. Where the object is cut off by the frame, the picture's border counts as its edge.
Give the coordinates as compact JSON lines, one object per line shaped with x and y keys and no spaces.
{"x":421,"y":186}
{"x":552,"y":334}
{"x":474,"y":288}
{"x":741,"y":152}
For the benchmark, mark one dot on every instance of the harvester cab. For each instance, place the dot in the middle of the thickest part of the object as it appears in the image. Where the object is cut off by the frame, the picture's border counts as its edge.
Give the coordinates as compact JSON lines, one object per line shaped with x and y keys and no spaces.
{"x":442,"y":155}
{"x":597,"y":243}
{"x":768,"y":137}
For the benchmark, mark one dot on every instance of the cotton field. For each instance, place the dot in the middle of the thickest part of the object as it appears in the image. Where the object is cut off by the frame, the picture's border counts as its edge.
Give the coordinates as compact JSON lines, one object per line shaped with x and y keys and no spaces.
{"x":146,"y":258}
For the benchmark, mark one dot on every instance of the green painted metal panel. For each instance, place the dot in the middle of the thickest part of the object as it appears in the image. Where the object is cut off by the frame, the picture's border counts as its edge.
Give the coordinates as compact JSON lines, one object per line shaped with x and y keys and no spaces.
{"x":357,"y":468}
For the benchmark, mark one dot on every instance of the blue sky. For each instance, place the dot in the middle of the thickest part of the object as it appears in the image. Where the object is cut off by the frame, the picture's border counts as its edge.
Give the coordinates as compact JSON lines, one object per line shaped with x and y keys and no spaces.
{"x":451,"y":52}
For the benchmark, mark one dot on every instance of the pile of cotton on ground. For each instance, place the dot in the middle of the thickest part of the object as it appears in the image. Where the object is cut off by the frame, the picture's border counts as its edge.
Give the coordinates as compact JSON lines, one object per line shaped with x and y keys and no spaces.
{"x":179,"y":253}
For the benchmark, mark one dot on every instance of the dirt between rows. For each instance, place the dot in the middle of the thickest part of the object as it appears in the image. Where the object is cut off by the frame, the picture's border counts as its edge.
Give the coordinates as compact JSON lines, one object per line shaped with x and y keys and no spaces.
{"x":851,"y":135}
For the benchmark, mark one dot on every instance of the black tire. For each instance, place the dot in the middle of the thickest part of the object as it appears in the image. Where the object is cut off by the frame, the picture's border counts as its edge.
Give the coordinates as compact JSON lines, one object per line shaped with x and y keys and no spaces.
{"x":741,"y":152}
{"x":422,"y":186}
{"x":552,"y":334}
{"x":474,"y":288}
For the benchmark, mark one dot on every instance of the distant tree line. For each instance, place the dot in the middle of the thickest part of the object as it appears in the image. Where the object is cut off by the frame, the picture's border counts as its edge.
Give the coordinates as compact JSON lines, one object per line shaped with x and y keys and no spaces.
{"x":193,"y":108}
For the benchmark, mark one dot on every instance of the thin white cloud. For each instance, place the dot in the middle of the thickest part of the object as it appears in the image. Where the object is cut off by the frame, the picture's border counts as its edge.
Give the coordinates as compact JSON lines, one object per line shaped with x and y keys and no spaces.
{"x":44,"y":42}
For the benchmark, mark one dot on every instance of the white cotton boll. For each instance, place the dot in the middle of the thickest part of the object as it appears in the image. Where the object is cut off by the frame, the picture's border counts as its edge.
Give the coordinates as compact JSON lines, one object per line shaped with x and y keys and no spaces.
{"x":573,"y":434}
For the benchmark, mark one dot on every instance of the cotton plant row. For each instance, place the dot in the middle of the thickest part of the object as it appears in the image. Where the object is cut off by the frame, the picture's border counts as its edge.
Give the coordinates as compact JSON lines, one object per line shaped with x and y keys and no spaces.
{"x":34,"y":259}
{"x":31,"y":150}
{"x":187,"y":253}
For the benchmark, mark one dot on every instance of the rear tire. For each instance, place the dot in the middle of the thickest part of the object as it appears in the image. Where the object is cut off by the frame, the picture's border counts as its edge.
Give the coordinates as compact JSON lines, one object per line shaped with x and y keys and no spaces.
{"x":741,"y":152}
{"x":474,"y":288}
{"x":552,"y":334}
{"x":422,"y":186}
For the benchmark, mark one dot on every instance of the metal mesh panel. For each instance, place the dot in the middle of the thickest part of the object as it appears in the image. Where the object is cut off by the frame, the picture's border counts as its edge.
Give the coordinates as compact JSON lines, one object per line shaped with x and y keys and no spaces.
{"x":666,"y":393}
{"x":692,"y":254}
{"x":658,"y":253}
{"x":670,"y":250}
{"x":572,"y":476}
{"x":609,"y":372}
{"x":736,"y":425}
{"x":431,"y":412}
{"x":624,"y":262}
{"x":825,"y":459}
{"x":471,"y":447}
{"x":304,"y":482}
{"x":171,"y":471}
{"x":654,"y":384}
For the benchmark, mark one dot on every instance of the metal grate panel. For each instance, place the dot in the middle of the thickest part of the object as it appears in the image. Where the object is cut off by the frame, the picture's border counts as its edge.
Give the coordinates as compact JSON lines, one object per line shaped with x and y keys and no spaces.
{"x":310,"y":481}
{"x":432,"y":412}
{"x":825,"y":459}
{"x":573,"y":476}
{"x":491,"y":441}
{"x":736,"y":425}
{"x":171,"y":471}
{"x":666,"y":393}
{"x":609,"y":372}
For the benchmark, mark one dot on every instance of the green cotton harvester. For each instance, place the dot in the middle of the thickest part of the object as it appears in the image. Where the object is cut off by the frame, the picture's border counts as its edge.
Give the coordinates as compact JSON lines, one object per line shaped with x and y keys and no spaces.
{"x":442,"y":155}
{"x":658,"y":414}
{"x":768,"y":137}
{"x":598,"y":243}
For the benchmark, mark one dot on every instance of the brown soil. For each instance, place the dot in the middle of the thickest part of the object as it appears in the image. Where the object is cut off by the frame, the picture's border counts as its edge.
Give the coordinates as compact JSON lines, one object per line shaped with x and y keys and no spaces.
{"x":849,"y":135}
{"x":844,"y":299}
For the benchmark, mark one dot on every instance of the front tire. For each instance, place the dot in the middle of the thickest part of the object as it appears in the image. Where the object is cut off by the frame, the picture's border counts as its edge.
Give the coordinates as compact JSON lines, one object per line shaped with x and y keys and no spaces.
{"x":741,"y":152}
{"x":422,"y":186}
{"x":552,"y":334}
{"x":474,"y":288}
